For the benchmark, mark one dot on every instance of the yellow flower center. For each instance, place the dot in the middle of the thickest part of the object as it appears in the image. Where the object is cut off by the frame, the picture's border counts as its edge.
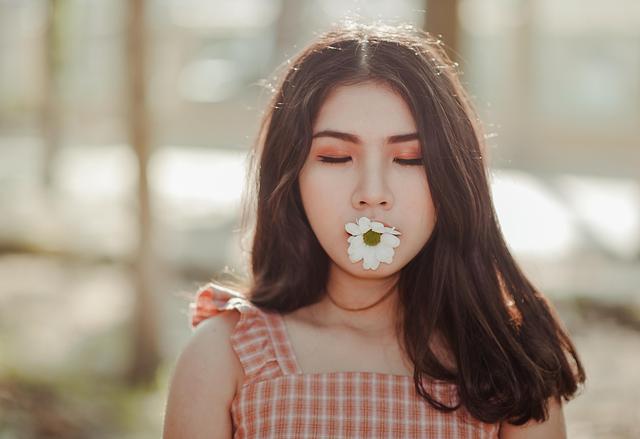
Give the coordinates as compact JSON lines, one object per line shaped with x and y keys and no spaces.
{"x":371,"y":238}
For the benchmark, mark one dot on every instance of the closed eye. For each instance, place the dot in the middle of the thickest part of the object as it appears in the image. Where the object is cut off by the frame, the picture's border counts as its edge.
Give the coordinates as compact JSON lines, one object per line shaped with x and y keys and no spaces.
{"x":403,"y":162}
{"x":409,"y":162}
{"x":334,"y":159}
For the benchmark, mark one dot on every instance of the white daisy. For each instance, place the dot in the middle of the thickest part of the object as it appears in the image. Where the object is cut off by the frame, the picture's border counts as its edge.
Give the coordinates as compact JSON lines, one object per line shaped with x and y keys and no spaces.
{"x":372,"y":242}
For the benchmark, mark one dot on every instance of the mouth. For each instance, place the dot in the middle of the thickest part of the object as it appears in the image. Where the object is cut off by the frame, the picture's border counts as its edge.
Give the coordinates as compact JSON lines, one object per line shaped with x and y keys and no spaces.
{"x":385,"y":224}
{"x":347,"y":234}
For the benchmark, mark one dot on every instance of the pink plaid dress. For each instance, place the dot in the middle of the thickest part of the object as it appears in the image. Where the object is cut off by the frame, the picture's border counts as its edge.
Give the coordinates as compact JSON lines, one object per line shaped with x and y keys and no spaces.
{"x":278,"y":401}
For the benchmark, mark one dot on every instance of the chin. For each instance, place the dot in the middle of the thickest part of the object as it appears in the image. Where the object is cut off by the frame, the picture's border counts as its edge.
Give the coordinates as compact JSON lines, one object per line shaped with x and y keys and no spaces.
{"x":383,"y":269}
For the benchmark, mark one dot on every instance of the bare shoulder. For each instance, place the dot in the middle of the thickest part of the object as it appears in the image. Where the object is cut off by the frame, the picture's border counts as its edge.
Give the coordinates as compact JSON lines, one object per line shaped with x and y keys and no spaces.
{"x":552,"y":428}
{"x":204,"y":381}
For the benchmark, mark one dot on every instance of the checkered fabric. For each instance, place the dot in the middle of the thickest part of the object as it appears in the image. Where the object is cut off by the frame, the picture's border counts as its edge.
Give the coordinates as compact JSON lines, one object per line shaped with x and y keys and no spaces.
{"x":278,"y":400}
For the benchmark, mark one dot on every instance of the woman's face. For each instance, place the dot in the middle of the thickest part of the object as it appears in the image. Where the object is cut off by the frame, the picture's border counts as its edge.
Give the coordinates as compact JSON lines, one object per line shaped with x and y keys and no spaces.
{"x":371,"y":130}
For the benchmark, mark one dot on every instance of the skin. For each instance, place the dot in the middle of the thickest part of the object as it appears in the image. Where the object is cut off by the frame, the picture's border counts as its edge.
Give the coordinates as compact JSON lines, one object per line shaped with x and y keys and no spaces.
{"x":371,"y":183}
{"x":553,"y":428}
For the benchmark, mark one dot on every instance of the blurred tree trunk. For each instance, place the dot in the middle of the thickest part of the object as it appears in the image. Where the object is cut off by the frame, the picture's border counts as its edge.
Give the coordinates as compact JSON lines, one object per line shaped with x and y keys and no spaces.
{"x":50,"y":112}
{"x":442,"y":19}
{"x":145,"y":355}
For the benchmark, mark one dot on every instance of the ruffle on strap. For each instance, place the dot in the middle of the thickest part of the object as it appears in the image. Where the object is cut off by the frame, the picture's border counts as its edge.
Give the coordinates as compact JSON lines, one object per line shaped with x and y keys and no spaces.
{"x":250,"y":338}
{"x":211,"y":300}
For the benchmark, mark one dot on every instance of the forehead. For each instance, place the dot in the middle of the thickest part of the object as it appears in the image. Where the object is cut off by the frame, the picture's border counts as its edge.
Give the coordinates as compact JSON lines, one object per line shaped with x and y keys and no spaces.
{"x":370,"y":109}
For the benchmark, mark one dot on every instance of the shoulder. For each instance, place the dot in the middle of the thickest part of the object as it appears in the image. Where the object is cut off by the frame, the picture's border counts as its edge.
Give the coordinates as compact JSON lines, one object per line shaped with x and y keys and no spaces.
{"x":204,"y":382}
{"x":216,"y":312}
{"x":210,"y":346}
{"x":552,"y":428}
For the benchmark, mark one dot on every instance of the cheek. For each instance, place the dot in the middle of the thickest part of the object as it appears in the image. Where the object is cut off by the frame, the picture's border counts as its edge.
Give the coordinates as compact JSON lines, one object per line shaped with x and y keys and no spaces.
{"x":420,"y":203}
{"x":311,"y":192}
{"x":319,"y":187}
{"x":318,"y":199}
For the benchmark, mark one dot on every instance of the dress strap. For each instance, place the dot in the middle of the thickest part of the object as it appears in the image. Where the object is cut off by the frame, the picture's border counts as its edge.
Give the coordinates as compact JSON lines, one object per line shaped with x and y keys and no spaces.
{"x":260,"y":337}
{"x":281,"y":343}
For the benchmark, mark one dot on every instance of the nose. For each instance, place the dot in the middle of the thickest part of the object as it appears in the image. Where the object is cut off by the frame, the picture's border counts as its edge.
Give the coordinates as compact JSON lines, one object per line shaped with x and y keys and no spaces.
{"x":372,"y":191}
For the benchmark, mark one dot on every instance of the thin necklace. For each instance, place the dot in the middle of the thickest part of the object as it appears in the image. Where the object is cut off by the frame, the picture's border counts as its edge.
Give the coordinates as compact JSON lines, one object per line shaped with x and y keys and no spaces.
{"x":366,"y":307}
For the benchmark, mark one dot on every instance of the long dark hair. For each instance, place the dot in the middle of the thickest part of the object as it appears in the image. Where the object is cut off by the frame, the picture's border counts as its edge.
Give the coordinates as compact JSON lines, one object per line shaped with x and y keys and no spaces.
{"x":510,"y":350}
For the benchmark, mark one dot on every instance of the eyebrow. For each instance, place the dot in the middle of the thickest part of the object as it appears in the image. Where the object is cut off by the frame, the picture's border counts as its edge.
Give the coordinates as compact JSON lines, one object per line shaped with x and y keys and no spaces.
{"x":348,"y":137}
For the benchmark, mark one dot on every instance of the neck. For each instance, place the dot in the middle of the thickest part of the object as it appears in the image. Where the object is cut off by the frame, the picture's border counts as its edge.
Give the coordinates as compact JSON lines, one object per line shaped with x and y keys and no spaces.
{"x":363,"y":305}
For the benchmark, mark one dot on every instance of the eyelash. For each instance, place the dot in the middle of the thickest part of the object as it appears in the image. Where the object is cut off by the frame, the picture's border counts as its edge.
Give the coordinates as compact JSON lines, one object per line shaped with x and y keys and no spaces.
{"x":338,"y":160}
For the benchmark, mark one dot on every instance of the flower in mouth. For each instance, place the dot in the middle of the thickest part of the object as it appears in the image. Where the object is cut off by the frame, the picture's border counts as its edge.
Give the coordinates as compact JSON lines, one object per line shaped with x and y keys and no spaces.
{"x":372,"y":242}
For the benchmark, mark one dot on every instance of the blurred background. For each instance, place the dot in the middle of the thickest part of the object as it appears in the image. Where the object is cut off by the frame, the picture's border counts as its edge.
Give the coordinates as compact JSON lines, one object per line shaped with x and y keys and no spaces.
{"x":124,"y":129}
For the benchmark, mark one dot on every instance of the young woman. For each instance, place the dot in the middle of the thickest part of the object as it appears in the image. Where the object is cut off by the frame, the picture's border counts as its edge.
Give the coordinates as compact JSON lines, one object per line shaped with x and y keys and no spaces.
{"x":383,"y":300}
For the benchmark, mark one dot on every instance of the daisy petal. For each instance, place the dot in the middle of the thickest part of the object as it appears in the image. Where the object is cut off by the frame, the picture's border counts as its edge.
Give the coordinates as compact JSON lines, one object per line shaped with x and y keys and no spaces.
{"x":384,"y":253}
{"x":377,"y":227}
{"x":370,"y":260}
{"x":355,"y":245}
{"x":364,"y":223}
{"x":352,"y":228}
{"x":355,"y":254}
{"x":373,"y":263}
{"x":390,"y":240}
{"x":356,"y":241}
